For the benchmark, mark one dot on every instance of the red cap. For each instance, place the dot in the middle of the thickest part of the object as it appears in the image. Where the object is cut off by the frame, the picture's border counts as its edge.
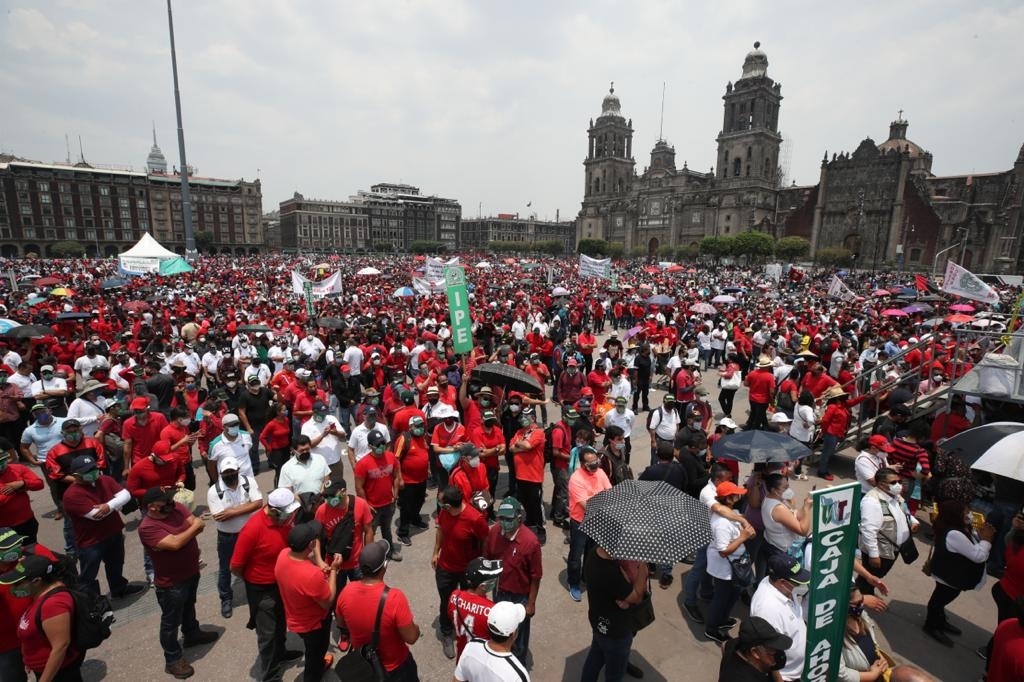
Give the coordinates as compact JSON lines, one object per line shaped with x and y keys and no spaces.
{"x":572,"y":363}
{"x":881,"y":442}
{"x":140,"y":403}
{"x":346,"y":368}
{"x":726,"y":488}
{"x":161,"y":449}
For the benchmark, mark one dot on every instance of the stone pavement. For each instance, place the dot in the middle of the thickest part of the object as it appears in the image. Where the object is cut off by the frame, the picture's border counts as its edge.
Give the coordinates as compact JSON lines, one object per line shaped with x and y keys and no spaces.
{"x":670,"y":649}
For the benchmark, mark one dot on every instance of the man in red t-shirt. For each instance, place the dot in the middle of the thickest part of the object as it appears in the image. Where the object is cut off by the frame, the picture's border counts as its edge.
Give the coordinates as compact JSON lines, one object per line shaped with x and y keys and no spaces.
{"x":528,"y":447}
{"x":168,"y":532}
{"x":16,"y":480}
{"x":461,"y":530}
{"x":353,"y":517}
{"x":308,"y":592}
{"x":468,"y":475}
{"x":468,"y":608}
{"x":140,"y":431}
{"x":378,"y":480}
{"x":490,"y":441}
{"x":561,"y":446}
{"x":761,"y":383}
{"x":160,"y":470}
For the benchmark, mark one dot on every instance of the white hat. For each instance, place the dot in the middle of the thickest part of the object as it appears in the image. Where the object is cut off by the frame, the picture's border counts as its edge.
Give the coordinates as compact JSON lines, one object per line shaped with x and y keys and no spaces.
{"x":228,"y":463}
{"x":505,"y":617}
{"x":283,"y":500}
{"x":444,"y":411}
{"x":780,"y":418}
{"x":728,"y":423}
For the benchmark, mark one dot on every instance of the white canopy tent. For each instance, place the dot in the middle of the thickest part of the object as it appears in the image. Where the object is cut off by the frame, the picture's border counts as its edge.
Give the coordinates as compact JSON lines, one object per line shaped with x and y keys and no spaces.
{"x":145,"y":257}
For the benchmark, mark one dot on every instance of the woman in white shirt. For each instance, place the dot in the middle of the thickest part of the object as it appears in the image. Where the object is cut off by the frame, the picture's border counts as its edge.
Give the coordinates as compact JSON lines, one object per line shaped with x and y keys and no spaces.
{"x":782,"y":524}
{"x":89,"y":407}
{"x":802,"y":428}
{"x":727,"y":538}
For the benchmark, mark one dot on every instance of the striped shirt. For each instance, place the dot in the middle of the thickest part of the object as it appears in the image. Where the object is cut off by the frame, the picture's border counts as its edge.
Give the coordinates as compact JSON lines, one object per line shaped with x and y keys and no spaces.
{"x":909,"y":455}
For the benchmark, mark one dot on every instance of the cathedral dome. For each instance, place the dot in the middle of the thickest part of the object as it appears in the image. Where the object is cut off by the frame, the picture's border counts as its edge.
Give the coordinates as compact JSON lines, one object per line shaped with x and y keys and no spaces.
{"x":610,"y":106}
{"x":756,"y":63}
{"x":898,"y":140}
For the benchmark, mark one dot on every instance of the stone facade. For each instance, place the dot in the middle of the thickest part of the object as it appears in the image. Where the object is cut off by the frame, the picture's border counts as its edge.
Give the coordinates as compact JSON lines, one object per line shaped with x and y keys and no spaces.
{"x":477,"y":233}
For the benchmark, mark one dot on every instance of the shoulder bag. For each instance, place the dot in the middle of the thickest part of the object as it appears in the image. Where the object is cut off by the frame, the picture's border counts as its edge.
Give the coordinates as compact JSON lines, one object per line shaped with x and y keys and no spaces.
{"x":908,"y":550}
{"x":639,"y":616}
{"x":364,"y":664}
{"x":742,"y":570}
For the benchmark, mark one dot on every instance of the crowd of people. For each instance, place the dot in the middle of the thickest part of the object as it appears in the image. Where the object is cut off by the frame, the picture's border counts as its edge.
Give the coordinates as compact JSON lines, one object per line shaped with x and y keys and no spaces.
{"x":129,"y":396}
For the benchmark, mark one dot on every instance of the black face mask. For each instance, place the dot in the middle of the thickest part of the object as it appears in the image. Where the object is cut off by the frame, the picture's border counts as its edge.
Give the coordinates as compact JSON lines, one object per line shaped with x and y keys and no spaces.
{"x":304,"y":456}
{"x":230,"y":479}
{"x":168,"y":508}
{"x":779,"y":660}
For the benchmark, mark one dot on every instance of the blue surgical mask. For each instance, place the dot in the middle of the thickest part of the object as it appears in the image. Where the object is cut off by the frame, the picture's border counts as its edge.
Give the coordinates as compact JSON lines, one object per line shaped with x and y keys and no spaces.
{"x":231,"y":431}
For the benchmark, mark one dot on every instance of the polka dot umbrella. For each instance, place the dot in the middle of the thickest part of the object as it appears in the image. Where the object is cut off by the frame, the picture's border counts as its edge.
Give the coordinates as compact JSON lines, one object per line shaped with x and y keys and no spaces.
{"x":647,"y":521}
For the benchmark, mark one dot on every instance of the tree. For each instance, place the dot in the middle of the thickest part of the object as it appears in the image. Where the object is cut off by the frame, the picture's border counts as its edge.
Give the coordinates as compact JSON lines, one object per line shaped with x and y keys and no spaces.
{"x":595,"y":248}
{"x":689,"y":252}
{"x":836,"y":255}
{"x":204,"y":240}
{"x":425,"y":246}
{"x":553,"y":247}
{"x":754,"y":245}
{"x":711,"y":246}
{"x":67,"y":249}
{"x":666,"y":252}
{"x":637,"y":252}
{"x":792,"y":248}
{"x":616,"y":251}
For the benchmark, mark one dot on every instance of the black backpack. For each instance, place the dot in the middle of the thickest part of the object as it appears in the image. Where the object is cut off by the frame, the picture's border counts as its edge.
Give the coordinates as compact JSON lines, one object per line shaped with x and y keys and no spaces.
{"x":343,"y":536}
{"x":93,"y":617}
{"x":549,"y":450}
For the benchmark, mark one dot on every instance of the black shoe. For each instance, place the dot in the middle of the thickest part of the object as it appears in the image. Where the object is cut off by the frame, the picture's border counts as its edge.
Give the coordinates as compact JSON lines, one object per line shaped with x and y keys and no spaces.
{"x":291,"y":654}
{"x":938,"y":635}
{"x":226,"y":609}
{"x":420,"y":523}
{"x":634,"y":671}
{"x":128,"y":591}
{"x":665,"y":581}
{"x":719,"y":636}
{"x":201,"y":637}
{"x":694,"y":613}
{"x":951,"y":629}
{"x":404,"y":539}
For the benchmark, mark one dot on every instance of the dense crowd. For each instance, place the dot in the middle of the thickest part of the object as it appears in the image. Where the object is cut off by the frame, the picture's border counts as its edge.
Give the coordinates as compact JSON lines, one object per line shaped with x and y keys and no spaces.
{"x":126,"y":396}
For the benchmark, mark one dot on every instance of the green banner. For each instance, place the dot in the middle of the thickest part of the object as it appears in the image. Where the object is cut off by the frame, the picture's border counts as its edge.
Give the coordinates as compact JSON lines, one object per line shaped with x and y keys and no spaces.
{"x":458,"y":309}
{"x":307,"y":287}
{"x":834,"y":531}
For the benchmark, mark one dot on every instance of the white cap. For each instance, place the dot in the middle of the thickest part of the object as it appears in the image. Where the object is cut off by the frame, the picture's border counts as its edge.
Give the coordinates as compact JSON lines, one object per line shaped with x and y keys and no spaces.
{"x":283,"y":499}
{"x":505,"y":617}
{"x":780,"y":418}
{"x":728,"y":423}
{"x":228,"y":463}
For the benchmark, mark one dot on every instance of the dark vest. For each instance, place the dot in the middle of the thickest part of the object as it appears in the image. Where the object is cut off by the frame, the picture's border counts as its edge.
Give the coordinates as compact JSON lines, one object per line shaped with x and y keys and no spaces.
{"x":954,"y":569}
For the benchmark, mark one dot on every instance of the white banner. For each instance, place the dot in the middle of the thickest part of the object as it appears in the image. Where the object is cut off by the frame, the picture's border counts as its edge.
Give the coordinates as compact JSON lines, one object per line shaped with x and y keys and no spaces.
{"x":138,"y":265}
{"x":773,"y":271}
{"x":426,"y":287}
{"x":436,"y":266}
{"x":327,"y":287}
{"x":593,"y":267}
{"x":964,"y":283}
{"x":838,"y":289}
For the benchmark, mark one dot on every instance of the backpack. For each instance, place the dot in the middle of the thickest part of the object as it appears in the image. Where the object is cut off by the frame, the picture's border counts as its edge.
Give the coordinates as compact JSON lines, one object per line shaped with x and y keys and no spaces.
{"x":549,"y":449}
{"x":343,"y":536}
{"x":245,"y":486}
{"x":93,"y":617}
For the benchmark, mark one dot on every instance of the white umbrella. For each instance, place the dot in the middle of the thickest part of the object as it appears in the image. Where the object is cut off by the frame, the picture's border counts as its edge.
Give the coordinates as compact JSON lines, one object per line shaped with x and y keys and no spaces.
{"x":483,"y":265}
{"x":724,"y":298}
{"x":559,"y":291}
{"x":369,"y":271}
{"x":1004,"y":458}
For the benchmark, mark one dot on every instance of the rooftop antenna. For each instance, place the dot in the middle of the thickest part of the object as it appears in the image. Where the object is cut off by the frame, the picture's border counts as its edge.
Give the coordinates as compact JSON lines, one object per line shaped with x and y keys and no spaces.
{"x":81,"y":154}
{"x":67,"y":148}
{"x":661,"y":125}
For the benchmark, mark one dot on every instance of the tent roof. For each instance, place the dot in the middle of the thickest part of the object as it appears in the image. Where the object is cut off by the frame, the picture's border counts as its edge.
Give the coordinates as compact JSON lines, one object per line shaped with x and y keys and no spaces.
{"x":174,"y":266}
{"x":148,"y":247}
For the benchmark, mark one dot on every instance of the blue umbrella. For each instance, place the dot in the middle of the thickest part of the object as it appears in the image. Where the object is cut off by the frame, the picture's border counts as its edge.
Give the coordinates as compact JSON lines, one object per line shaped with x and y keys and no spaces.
{"x":35,"y":300}
{"x":7,"y":325}
{"x":759,"y":446}
{"x":113,"y":283}
{"x":403,"y":292}
{"x":660,"y":299}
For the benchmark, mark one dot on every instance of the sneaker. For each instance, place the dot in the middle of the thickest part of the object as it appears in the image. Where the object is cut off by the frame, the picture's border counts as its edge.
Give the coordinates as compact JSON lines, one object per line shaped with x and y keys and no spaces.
{"x":180,"y":669}
{"x":665,"y":581}
{"x":405,"y":540}
{"x":939,"y":636}
{"x":344,"y":642}
{"x":827,"y":477}
{"x":575,"y":593}
{"x":201,"y":637}
{"x":694,"y":613}
{"x":690,"y":559}
{"x":448,"y":646}
{"x":951,"y":629}
{"x":730,"y":623}
{"x":421,"y":524}
{"x":801,"y":477}
{"x":226,"y":608}
{"x":396,"y":553}
{"x":150,"y":577}
{"x":720,"y":637}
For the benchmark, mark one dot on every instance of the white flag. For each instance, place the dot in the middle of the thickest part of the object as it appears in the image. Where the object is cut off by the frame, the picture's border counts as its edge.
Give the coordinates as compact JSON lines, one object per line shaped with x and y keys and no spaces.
{"x":327,"y":287}
{"x":961,"y":282}
{"x":593,"y":267}
{"x":435,"y":267}
{"x":838,"y":289}
{"x":426,"y":287}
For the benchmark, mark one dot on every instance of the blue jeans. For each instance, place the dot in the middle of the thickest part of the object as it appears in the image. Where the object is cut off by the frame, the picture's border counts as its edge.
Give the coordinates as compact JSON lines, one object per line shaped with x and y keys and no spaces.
{"x":11,"y":666}
{"x":828,"y":448}
{"x":225,"y":548}
{"x":522,"y":645}
{"x":725,"y":596}
{"x":111,"y":553}
{"x":610,"y":653}
{"x":579,"y":543}
{"x":177,"y":609}
{"x":697,"y":579}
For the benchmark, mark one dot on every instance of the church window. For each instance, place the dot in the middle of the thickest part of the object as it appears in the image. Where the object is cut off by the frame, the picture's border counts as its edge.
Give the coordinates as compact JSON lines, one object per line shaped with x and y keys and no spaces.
{"x":915,"y":255}
{"x":750,"y":152}
{"x":748,"y":170}
{"x":736,"y":163}
{"x":768,"y":168}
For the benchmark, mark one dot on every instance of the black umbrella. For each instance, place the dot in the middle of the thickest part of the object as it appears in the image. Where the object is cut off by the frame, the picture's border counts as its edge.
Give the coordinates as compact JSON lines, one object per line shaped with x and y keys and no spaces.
{"x":647,"y":521}
{"x":331,"y":323}
{"x":29,"y":331}
{"x":63,"y":317}
{"x":113,"y":283}
{"x":506,"y":376}
{"x":971,"y":444}
{"x":257,"y":328}
{"x":759,"y":446}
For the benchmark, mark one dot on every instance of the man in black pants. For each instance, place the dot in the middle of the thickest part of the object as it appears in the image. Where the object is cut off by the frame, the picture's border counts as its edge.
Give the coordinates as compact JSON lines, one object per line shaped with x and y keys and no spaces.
{"x":643,"y":365}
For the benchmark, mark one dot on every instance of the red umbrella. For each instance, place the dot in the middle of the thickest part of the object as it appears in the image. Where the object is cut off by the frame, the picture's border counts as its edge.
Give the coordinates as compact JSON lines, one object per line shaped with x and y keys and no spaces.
{"x":959,"y":307}
{"x":47,"y":282}
{"x":881,"y":292}
{"x":958,"y":318}
{"x":675,"y":268}
{"x":650,"y":269}
{"x":894,"y":312}
{"x":136,"y":306}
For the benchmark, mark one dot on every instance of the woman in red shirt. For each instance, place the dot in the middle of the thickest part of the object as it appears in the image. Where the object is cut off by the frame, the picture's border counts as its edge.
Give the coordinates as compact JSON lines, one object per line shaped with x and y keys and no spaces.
{"x":1011,"y":584}
{"x":276,"y":438}
{"x":45,"y":628}
{"x":834,"y":423}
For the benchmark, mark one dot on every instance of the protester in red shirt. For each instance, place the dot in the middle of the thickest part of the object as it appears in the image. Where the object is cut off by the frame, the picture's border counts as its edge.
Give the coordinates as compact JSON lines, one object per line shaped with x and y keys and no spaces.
{"x":761,"y":383}
{"x":913,"y":460}
{"x":16,"y":480}
{"x":378,"y":480}
{"x":834,"y":423}
{"x":490,"y":441}
{"x":461,"y":530}
{"x":528,"y":447}
{"x":949,"y":424}
{"x":160,"y":470}
{"x":351,"y":516}
{"x":276,"y":438}
{"x":140,"y":432}
{"x":412,"y":452}
{"x":468,"y":475}
{"x":468,"y":608}
{"x":179,"y":442}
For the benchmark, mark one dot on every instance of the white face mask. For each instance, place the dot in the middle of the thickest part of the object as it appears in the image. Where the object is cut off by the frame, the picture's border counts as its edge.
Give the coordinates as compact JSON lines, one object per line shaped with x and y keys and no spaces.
{"x":799,"y":591}
{"x":788,"y":494}
{"x":896,"y":489}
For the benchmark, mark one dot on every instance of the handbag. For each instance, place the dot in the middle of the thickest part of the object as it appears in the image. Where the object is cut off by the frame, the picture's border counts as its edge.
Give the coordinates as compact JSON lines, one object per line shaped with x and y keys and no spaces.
{"x":908,"y":551}
{"x":639,"y":616}
{"x":742,"y":570}
{"x":363,"y":664}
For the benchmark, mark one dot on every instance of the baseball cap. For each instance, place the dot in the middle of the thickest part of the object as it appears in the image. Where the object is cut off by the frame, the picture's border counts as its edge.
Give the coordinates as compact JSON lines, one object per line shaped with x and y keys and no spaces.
{"x":29,"y":568}
{"x":253,"y":379}
{"x":140,"y":403}
{"x":10,"y":538}
{"x":39,"y":406}
{"x":46,"y":368}
{"x":283,"y":500}
{"x":487,"y":416}
{"x":228,"y":463}
{"x":375,"y":438}
{"x":728,"y":423}
{"x":505,"y":617}
{"x":69,"y":424}
{"x":157,"y":494}
{"x":572,"y":363}
{"x":509,"y":508}
{"x":881,"y":442}
{"x":901,"y":410}
{"x":669,"y":398}
{"x":335,"y":486}
{"x":785,"y":567}
{"x":82,"y":464}
{"x":780,"y":418}
{"x":418,"y":420}
{"x":302,"y":534}
{"x":468,"y":450}
{"x":756,"y":631}
{"x":433,"y":389}
{"x":229,"y":419}
{"x":319,"y":406}
{"x":374,"y":555}
{"x":726,"y":488}
{"x":480,"y":570}
{"x":370,"y":412}
{"x":621,"y":400}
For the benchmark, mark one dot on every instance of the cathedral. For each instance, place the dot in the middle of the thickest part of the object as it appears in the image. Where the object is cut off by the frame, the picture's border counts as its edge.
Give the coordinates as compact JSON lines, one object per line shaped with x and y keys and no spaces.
{"x":880,"y":202}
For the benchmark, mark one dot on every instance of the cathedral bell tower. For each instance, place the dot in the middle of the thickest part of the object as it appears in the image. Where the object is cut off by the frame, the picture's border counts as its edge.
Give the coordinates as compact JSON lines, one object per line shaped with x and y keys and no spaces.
{"x":748,"y":146}
{"x":609,"y":163}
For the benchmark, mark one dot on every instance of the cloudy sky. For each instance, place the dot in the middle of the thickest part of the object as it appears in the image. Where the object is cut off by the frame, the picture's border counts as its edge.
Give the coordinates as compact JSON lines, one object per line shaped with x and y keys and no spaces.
{"x":488,"y":102}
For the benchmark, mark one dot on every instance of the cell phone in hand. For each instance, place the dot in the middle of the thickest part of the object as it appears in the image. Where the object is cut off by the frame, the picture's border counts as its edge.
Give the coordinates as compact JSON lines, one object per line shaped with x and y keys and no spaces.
{"x":194,"y":426}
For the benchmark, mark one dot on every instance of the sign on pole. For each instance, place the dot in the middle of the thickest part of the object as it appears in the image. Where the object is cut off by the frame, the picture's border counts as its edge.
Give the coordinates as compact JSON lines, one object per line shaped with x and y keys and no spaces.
{"x":308,"y":289}
{"x":458,"y":309}
{"x":834,"y":531}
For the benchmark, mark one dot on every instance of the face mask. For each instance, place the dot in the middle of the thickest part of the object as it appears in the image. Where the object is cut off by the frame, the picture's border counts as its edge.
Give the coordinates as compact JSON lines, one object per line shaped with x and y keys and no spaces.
{"x":21,"y":591}
{"x":474,"y":462}
{"x":799,"y":591}
{"x":856,"y":610}
{"x":191,"y":387}
{"x":619,"y":447}
{"x":372,"y":401}
{"x":514,"y":409}
{"x":432,"y":401}
{"x":571,"y":371}
{"x":592,"y":466}
{"x":282,"y":519}
{"x":232,"y":384}
{"x":695,"y":425}
{"x":778,"y":660}
{"x":896,"y":489}
{"x":73,"y":439}
{"x":157,"y":461}
{"x":47,"y":376}
{"x":318,"y":418}
{"x":231,"y":431}
{"x":11,"y":556}
{"x":485,"y":402}
{"x":3,"y":465}
{"x":525,"y":422}
{"x":230,"y":479}
{"x":185,"y":421}
{"x":44,"y":419}
{"x":788,"y":494}
{"x":335,"y":501}
{"x":303,"y":456}
{"x":509,"y":526}
{"x":91,"y":476}
{"x":417,"y":431}
{"x":621,"y":409}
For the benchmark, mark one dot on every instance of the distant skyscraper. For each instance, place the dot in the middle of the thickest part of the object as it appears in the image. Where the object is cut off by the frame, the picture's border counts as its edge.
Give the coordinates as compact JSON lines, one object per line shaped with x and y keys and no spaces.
{"x":155,"y":162}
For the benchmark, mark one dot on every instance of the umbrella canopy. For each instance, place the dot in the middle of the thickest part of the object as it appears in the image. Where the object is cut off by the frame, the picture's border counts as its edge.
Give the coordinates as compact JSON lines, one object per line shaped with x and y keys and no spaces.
{"x":28,"y":331}
{"x":973,"y":443}
{"x":647,"y":521}
{"x":35,"y":300}
{"x":1004,"y":458}
{"x":959,"y":318}
{"x":959,"y":307}
{"x":61,"y":291}
{"x":47,"y":282}
{"x":652,"y":270}
{"x":113,"y":283}
{"x":933,"y":322}
{"x":254,"y":328}
{"x":631,"y":332}
{"x":483,"y":265}
{"x":368,"y":271}
{"x":531,"y":266}
{"x":559,"y":291}
{"x":930,"y":298}
{"x":703,"y":308}
{"x":732,"y":289}
{"x":136,"y":306}
{"x":7,"y":325}
{"x":322,"y":266}
{"x":660,"y":299}
{"x":81,"y":315}
{"x":724,"y":298}
{"x":918,"y":308}
{"x":174,"y":266}
{"x":506,"y":376}
{"x":331,"y":323}
{"x":881,"y":292}
{"x":526,"y":280}
{"x":895,"y":312}
{"x":675,"y":268}
{"x":759,"y":446}
{"x":403,"y":292}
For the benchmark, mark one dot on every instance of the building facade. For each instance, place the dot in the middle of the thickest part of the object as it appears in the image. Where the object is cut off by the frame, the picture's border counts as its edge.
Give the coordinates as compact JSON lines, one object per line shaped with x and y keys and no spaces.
{"x":881,"y":202}
{"x":477,"y":233}
{"x":321,"y":225}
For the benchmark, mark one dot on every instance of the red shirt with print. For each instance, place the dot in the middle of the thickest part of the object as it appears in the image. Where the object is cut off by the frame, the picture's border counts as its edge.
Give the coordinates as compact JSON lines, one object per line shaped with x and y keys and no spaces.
{"x":378,"y":475}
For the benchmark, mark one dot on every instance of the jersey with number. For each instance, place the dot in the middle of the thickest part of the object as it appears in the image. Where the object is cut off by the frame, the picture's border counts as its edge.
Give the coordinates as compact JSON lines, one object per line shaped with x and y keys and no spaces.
{"x":469,"y":613}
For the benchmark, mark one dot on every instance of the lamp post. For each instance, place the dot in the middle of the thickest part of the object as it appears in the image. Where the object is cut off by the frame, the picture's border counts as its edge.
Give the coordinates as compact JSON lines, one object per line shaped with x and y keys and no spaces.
{"x":935,"y":261}
{"x":186,"y":199}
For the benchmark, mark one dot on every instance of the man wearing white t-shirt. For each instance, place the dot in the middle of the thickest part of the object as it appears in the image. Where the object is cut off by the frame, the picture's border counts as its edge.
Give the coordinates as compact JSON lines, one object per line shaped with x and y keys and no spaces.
{"x":493,"y":660}
{"x":325,"y":433}
{"x":231,"y":500}
{"x":306,"y":472}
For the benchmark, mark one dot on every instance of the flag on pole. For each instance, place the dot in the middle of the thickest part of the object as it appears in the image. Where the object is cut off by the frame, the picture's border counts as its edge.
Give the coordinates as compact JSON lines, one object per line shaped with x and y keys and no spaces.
{"x":838,"y":289}
{"x":961,"y":282}
{"x":595,"y":267}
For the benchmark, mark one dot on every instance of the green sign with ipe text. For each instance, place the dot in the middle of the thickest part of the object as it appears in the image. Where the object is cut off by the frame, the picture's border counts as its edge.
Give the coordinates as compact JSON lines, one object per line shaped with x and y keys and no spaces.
{"x":458,"y":309}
